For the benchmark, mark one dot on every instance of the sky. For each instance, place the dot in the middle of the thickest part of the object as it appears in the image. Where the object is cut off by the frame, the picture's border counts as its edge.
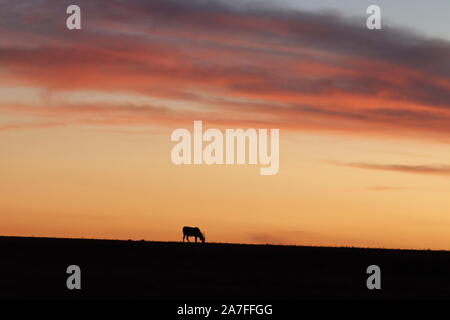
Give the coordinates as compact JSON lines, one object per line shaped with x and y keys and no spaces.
{"x":364,"y":118}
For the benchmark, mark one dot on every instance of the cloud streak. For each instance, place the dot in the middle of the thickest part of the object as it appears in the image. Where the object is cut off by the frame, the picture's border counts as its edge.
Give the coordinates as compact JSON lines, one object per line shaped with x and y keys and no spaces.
{"x":33,"y":125}
{"x":293,"y":69}
{"x":442,"y":169}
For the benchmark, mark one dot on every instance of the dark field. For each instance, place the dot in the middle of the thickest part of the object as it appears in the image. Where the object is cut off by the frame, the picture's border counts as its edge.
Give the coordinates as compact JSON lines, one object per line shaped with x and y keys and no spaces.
{"x":36,"y":268}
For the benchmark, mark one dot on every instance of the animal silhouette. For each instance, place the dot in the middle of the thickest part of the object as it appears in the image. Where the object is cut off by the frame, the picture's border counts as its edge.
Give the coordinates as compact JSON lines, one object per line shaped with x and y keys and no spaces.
{"x":193,"y":232}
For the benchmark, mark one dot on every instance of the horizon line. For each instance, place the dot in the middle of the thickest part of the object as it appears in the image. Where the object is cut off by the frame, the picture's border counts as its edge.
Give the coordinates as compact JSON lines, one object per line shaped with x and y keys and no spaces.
{"x":228,"y":243}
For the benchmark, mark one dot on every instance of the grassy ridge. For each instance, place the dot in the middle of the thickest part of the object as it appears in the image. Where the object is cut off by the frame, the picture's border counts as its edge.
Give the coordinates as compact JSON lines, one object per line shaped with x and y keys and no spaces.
{"x":36,"y":268}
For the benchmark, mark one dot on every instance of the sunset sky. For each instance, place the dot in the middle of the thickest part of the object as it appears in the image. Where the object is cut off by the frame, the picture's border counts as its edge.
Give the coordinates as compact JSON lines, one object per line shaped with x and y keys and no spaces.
{"x":364,"y":118}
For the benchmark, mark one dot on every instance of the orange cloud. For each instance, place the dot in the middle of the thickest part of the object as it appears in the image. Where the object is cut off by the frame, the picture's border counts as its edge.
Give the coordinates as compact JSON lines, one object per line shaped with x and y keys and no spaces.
{"x":443,"y":170}
{"x":299,"y":71}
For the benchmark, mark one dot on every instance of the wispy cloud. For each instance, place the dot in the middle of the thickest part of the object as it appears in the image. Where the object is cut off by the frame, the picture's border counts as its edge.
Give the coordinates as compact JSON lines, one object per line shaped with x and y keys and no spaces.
{"x":298,"y":70}
{"x":31,"y":125}
{"x":418,"y":169}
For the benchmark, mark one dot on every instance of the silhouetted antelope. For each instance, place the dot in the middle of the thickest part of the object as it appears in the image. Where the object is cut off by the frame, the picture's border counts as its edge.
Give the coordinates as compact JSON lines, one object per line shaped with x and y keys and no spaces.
{"x":193,"y":232}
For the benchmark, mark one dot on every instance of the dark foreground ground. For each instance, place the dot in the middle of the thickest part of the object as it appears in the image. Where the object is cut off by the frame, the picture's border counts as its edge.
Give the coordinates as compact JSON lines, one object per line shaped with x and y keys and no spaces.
{"x":36,"y":268}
